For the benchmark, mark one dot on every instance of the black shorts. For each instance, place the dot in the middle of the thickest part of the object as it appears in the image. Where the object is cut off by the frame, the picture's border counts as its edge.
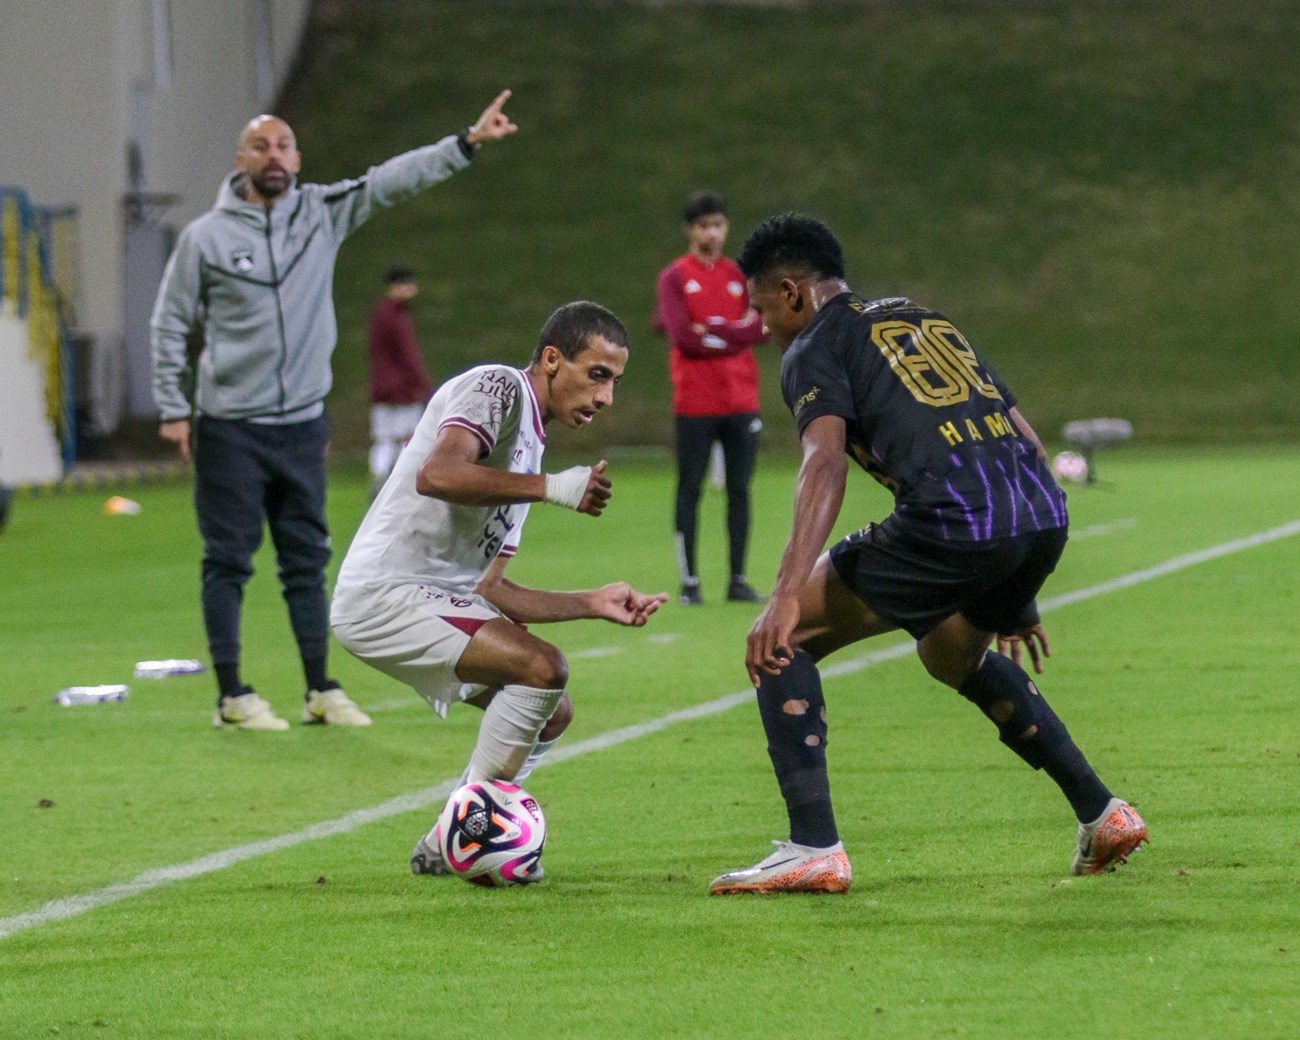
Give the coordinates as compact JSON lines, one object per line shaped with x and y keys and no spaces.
{"x":916,"y":582}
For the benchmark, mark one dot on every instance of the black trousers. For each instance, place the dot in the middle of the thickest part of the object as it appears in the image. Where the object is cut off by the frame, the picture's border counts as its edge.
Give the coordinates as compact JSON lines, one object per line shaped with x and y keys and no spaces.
{"x":738,"y":435}
{"x":247,"y":473}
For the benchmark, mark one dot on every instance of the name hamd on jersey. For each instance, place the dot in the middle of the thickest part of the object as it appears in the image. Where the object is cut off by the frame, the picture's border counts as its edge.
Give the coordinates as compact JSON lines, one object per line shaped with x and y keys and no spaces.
{"x":998,"y":425}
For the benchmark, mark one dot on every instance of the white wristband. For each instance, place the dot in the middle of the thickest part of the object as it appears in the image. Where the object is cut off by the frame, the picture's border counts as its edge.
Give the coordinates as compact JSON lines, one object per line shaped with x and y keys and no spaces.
{"x":567,"y":487}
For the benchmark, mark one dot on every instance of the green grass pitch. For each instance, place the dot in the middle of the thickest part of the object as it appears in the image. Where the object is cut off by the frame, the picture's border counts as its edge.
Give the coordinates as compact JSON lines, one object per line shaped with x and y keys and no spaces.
{"x":962,"y":921}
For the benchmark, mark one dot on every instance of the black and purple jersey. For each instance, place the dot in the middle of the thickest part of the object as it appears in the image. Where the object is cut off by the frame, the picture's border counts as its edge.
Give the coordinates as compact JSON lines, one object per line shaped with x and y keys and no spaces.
{"x":925,"y":416}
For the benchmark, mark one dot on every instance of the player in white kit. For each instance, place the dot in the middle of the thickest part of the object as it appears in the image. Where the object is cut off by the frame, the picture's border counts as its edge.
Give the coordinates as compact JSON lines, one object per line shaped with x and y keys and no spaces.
{"x":422,"y":594}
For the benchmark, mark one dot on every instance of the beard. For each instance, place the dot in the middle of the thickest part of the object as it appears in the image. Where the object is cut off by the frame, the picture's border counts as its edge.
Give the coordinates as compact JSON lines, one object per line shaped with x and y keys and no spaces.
{"x":270,"y":184}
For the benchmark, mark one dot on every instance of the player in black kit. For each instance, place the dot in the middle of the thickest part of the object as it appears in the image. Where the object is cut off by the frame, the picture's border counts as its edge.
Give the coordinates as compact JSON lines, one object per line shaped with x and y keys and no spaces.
{"x":978,"y":524}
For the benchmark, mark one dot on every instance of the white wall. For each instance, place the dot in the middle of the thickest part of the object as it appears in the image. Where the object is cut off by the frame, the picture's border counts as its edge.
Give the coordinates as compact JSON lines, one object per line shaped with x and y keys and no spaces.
{"x":80,"y":80}
{"x":29,"y":448}
{"x":61,"y":132}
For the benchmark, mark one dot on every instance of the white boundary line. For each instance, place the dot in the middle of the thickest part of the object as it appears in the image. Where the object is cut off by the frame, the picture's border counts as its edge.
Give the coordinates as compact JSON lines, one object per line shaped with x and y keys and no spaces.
{"x":72,"y":906}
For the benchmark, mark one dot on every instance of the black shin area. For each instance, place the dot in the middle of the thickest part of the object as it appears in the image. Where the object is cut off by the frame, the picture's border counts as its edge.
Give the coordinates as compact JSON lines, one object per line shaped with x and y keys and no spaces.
{"x":1027,"y":725}
{"x":1007,"y":695}
{"x":794,"y":718}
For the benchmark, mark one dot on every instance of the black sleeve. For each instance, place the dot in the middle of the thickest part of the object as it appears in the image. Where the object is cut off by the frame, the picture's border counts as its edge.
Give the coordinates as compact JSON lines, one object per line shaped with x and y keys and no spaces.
{"x":815,"y":383}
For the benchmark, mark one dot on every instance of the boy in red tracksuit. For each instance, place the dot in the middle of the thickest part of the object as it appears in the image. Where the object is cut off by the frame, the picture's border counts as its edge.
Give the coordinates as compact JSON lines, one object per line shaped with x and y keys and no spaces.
{"x":702,"y":306}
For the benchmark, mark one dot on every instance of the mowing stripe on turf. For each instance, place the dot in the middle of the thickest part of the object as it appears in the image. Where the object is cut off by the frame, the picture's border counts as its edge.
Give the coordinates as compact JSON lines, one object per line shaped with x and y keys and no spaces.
{"x":58,"y":909}
{"x":1101,"y":530}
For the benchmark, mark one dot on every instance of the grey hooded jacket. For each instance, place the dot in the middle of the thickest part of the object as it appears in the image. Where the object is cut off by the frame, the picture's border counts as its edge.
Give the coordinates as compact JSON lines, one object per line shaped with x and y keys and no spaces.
{"x":263,"y":283}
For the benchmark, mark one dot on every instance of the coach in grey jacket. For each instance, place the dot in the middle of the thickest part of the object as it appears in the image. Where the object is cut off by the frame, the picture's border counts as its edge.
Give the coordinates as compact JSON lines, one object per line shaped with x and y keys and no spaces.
{"x":256,"y":273}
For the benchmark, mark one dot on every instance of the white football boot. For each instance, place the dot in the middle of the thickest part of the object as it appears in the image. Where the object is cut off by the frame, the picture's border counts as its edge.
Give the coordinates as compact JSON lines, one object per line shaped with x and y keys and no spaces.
{"x":791,"y":868}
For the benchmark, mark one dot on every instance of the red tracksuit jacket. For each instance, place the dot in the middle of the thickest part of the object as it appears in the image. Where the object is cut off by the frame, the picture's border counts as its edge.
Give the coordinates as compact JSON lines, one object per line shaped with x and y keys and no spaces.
{"x":713,"y":373}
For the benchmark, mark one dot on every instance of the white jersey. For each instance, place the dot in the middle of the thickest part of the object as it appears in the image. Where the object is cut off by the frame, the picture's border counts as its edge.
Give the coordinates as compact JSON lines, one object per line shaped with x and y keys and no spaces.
{"x":409,"y":537}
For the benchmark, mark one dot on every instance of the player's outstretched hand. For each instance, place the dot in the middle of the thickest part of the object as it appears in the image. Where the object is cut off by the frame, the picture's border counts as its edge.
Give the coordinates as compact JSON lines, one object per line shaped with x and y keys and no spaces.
{"x":768,"y":648}
{"x":599,"y":488}
{"x":493,"y":124}
{"x":622,"y":604}
{"x":1033,"y":639}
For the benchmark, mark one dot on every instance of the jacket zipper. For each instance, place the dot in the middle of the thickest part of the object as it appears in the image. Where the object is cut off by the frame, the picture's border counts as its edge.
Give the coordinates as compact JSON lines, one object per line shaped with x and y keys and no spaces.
{"x":279,"y":314}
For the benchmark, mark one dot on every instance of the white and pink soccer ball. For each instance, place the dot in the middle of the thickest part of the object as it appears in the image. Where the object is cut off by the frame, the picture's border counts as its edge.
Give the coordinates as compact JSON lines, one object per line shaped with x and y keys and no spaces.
{"x":491,"y":833}
{"x":1070,"y":466}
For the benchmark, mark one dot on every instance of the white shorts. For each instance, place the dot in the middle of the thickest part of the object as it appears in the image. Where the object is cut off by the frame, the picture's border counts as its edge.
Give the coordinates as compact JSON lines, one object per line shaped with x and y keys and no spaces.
{"x":394,"y":422}
{"x":415,"y":633}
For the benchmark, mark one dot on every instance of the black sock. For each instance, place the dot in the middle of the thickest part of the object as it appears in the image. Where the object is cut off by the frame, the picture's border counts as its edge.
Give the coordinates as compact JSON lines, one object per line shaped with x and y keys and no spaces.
{"x":228,"y":684}
{"x":1026,"y":723}
{"x":314,"y":669}
{"x":794,"y":718}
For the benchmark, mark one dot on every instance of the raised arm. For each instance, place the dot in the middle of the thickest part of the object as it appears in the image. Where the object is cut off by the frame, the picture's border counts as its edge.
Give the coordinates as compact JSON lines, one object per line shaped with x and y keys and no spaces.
{"x":451,"y":472}
{"x":493,"y":124}
{"x":352,"y":202}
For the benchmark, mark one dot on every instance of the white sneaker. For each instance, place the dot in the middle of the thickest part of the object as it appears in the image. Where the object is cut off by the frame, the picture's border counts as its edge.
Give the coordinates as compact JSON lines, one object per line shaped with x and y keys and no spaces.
{"x":791,"y":868}
{"x":1110,"y":839}
{"x":332,"y":708}
{"x":247,"y":711}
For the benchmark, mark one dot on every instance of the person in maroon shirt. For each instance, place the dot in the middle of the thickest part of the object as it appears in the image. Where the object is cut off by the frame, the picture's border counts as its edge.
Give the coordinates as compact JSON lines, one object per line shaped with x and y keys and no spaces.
{"x":702,"y":306}
{"x":400,"y":386}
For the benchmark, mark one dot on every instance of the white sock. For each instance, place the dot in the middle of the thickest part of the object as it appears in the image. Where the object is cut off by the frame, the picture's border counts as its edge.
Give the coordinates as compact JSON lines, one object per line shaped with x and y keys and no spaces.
{"x":507,"y":736}
{"x":535,"y":756}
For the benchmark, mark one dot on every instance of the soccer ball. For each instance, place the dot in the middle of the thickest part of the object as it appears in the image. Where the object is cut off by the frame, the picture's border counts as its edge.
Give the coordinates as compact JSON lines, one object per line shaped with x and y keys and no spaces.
{"x":1070,"y":466}
{"x":491,"y":833}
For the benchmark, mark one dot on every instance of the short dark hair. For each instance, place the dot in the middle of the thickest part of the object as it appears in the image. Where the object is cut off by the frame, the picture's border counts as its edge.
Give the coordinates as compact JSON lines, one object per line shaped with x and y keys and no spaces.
{"x":571,"y":327}
{"x":399,"y":274}
{"x":703,"y":204}
{"x":791,"y":242}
